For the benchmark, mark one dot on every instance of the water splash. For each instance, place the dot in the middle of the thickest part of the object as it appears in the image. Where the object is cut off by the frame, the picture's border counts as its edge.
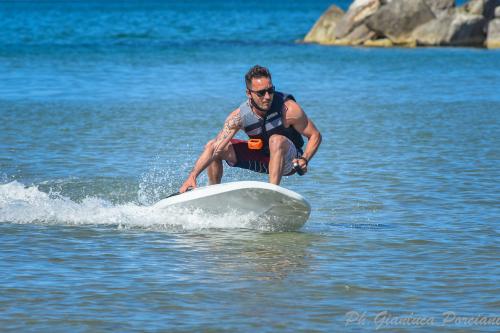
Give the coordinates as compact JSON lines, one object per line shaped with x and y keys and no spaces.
{"x":22,"y":204}
{"x":153,"y":183}
{"x":161,"y":179}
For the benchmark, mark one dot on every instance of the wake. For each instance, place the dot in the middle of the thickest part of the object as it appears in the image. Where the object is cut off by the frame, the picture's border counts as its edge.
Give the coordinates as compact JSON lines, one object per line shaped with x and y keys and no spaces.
{"x":22,"y":204}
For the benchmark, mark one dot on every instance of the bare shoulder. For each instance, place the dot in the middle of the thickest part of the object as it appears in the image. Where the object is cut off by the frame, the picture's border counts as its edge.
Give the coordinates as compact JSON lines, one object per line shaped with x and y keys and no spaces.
{"x":293,"y":112}
{"x":233,"y":121}
{"x":234,"y":113}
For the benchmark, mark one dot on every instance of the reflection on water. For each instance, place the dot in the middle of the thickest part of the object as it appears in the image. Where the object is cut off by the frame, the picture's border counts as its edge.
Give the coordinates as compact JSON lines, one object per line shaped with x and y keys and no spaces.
{"x":250,"y":255}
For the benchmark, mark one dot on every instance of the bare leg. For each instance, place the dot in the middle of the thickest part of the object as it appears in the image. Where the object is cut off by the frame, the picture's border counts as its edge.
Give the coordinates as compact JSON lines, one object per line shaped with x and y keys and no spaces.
{"x":215,"y":169}
{"x":214,"y":172}
{"x":278,"y":146}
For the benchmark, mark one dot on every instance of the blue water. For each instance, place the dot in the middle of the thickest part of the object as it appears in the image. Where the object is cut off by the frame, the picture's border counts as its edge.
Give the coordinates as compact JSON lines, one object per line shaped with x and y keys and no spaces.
{"x":104,"y":108}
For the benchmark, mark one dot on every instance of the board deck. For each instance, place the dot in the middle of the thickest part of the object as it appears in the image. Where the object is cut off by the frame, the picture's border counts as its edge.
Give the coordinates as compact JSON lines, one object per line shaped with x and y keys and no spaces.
{"x":274,"y":206}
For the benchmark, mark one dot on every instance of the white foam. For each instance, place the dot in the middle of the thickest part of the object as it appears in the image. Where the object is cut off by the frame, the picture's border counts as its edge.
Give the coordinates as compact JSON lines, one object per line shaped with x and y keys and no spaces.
{"x":21,"y":204}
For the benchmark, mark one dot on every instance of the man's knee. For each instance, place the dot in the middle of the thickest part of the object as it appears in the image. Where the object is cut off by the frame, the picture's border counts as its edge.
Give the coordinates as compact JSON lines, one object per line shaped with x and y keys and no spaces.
{"x":210,"y":145}
{"x":216,"y":152}
{"x":278,"y":143}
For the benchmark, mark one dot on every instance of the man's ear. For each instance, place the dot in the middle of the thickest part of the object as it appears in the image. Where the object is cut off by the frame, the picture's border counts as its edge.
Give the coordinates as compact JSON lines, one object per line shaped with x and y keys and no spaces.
{"x":247,"y":92}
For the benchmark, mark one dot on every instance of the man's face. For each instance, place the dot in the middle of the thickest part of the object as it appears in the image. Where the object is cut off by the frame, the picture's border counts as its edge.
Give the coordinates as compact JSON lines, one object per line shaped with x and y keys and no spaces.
{"x":261,"y":92}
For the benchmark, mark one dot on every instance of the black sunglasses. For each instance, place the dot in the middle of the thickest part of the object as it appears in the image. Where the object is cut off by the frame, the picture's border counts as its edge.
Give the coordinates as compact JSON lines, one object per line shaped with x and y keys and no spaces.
{"x":262,"y":93}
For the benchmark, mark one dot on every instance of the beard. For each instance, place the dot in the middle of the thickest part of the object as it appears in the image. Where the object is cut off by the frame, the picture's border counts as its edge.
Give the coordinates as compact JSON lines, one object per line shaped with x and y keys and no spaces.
{"x":260,"y":106}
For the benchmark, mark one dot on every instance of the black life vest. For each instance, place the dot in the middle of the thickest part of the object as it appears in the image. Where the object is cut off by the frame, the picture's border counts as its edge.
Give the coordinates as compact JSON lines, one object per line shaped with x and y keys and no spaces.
{"x":262,"y":128}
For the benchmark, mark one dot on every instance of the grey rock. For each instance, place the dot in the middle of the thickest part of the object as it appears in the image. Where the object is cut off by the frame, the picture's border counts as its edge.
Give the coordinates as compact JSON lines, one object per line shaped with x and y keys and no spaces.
{"x":323,"y":30}
{"x":438,"y":6}
{"x":452,"y":29}
{"x":410,"y":23}
{"x":493,"y":39}
{"x":485,"y":8}
{"x":433,"y":33}
{"x":397,"y":19}
{"x":358,"y":11}
{"x":359,"y":35}
{"x":467,"y":30}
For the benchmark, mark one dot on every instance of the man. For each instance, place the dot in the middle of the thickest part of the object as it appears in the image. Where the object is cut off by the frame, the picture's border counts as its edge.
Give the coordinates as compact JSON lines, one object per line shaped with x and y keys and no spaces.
{"x":275,"y":124}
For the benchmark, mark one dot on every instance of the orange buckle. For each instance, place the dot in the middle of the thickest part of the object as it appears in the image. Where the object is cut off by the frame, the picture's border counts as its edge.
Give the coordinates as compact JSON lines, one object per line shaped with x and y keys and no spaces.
{"x":255,"y":144}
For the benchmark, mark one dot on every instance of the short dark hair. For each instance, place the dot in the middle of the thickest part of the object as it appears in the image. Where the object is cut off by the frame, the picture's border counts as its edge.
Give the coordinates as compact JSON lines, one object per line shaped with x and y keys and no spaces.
{"x":256,"y":72}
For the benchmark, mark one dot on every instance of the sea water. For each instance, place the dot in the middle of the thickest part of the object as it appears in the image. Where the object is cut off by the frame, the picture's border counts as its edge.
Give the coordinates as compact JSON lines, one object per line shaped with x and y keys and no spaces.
{"x":104,"y":108}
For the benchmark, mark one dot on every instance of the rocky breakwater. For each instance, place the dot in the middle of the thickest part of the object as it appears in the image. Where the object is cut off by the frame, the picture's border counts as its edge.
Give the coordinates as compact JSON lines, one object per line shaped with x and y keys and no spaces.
{"x":410,"y":23}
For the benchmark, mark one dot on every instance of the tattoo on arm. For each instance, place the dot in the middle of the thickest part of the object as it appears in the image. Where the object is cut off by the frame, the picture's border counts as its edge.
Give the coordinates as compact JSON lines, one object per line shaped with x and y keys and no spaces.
{"x":232,"y":124}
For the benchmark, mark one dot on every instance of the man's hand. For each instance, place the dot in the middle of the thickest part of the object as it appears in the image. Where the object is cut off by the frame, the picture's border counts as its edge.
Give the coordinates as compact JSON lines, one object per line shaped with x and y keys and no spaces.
{"x":189,"y":183}
{"x":302,"y":164}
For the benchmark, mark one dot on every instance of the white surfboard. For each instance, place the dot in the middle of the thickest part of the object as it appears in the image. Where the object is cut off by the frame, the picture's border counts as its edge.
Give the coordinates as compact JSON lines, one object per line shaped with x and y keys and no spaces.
{"x":272,"y":207}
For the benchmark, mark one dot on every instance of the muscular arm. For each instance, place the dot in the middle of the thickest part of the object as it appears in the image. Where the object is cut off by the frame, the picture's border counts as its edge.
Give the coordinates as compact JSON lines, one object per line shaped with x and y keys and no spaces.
{"x":296,"y":117}
{"x":214,"y":148}
{"x":231,"y":127}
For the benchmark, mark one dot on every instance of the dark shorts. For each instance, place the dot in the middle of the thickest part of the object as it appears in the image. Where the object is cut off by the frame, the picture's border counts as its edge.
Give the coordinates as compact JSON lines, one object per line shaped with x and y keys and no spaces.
{"x":255,"y":160}
{"x":258,"y":160}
